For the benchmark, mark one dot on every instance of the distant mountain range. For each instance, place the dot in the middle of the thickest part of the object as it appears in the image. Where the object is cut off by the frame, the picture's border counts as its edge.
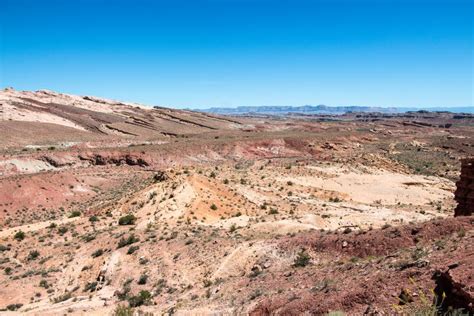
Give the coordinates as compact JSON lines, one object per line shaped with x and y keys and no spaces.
{"x":323,"y":109}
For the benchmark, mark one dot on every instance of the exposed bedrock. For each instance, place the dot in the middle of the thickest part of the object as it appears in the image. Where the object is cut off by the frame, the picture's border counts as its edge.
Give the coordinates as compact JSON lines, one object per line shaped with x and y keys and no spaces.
{"x":454,"y":289}
{"x":116,"y":159}
{"x":464,"y":194}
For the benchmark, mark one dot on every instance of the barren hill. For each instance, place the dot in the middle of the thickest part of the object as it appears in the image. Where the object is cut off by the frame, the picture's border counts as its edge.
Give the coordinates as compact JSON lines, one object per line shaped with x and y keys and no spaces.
{"x":32,"y":117}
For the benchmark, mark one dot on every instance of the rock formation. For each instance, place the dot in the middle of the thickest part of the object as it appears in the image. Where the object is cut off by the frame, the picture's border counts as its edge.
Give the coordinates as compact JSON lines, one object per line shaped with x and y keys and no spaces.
{"x":464,"y":194}
{"x":454,"y":289}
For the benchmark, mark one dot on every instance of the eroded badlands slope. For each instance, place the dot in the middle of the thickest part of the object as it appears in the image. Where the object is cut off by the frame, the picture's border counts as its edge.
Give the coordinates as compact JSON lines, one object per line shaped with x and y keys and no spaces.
{"x":103,"y":204}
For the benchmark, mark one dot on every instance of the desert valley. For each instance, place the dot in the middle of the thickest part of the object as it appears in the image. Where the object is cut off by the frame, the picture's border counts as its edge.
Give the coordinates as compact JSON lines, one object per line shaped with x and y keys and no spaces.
{"x":111,"y":208}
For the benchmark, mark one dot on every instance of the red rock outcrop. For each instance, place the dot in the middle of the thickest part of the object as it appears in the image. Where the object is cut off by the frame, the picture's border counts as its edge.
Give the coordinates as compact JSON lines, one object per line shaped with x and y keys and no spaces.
{"x":455,"y":288}
{"x":106,"y":158}
{"x":464,"y":194}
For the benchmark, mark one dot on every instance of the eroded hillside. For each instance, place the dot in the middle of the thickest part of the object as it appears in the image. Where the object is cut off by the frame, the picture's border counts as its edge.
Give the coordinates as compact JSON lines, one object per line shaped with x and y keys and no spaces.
{"x":106,"y":204}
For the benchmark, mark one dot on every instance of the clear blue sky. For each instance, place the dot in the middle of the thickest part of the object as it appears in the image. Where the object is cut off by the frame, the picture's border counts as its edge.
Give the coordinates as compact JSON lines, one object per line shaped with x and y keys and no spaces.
{"x":242,"y":52}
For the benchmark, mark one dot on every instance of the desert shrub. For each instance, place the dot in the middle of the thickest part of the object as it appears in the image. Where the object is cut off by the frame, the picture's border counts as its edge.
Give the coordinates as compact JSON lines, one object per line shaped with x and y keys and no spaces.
{"x":44,"y":284}
{"x":256,"y":293}
{"x":97,"y":253}
{"x":419,"y":253}
{"x":142,"y":298}
{"x":142,"y":279}
{"x":62,"y":230}
{"x":4,"y":248}
{"x":127,"y":241}
{"x":273,"y":211}
{"x":88,"y":237}
{"x":122,"y":310}
{"x":123,"y":293}
{"x":213,"y":207}
{"x":127,"y":220}
{"x":233,"y":228}
{"x":74,"y":214}
{"x":152,"y":195}
{"x":132,"y":249}
{"x":33,"y":255}
{"x":62,"y":298}
{"x":90,"y":286}
{"x":93,"y":218}
{"x":160,"y":286}
{"x":302,"y":259}
{"x":20,"y":235}
{"x":14,"y":307}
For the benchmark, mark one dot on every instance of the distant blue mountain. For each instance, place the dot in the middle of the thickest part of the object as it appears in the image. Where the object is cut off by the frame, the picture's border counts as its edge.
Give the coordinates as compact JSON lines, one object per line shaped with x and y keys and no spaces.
{"x":324,"y":109}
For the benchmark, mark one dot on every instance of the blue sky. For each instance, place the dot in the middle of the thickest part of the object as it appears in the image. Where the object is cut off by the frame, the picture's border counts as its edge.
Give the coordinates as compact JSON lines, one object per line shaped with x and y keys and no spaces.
{"x":206,"y":53}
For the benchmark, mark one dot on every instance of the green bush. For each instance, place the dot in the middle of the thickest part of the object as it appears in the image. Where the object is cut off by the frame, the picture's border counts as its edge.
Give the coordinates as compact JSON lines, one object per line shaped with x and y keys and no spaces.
{"x":302,"y":259}
{"x":142,"y":298}
{"x":132,"y":249}
{"x":33,"y":255}
{"x":142,"y":279}
{"x":44,"y":284}
{"x":122,"y":310}
{"x":62,"y":230}
{"x":127,"y":241}
{"x":20,"y":235}
{"x":14,"y":307}
{"x":127,"y":220}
